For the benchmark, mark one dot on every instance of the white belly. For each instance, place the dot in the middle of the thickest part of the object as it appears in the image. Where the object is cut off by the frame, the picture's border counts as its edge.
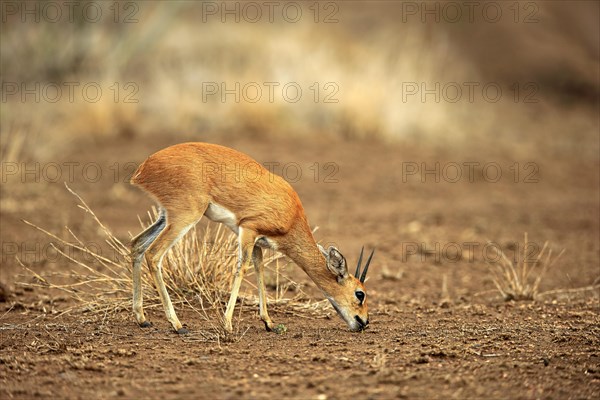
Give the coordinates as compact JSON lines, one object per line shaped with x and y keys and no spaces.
{"x":217,"y":213}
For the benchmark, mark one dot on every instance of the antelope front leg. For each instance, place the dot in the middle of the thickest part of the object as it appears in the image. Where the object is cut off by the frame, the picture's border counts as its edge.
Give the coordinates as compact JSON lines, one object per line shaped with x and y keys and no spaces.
{"x":257,"y":259}
{"x":246,"y":242}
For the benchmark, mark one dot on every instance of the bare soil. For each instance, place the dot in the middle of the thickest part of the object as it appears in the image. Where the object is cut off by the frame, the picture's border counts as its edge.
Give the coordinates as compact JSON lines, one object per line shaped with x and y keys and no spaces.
{"x":438,"y":327}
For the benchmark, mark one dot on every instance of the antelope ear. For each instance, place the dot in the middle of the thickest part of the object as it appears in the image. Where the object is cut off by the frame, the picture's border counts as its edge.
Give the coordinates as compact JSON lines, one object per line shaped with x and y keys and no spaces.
{"x":336,"y":263}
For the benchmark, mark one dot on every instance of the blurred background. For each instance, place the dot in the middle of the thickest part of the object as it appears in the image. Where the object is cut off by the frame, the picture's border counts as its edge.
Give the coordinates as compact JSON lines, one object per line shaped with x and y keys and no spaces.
{"x":175,"y":56}
{"x":381,"y":82}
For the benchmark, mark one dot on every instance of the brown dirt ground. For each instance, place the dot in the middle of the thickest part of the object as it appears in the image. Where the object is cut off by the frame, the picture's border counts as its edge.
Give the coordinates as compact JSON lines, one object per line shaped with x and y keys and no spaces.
{"x":424,"y":340}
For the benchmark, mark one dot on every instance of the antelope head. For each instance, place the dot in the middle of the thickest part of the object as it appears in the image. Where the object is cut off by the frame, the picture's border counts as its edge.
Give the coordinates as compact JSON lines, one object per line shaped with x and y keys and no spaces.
{"x":349,"y":298}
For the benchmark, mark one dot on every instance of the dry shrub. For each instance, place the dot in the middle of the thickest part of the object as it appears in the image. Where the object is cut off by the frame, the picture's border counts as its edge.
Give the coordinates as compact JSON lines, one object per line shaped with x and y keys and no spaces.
{"x":515,"y":280}
{"x":198,"y":272}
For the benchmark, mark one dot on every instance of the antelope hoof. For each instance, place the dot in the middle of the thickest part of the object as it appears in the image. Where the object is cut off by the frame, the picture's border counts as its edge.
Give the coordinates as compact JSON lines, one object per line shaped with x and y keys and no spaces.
{"x":268,"y":326}
{"x":145,"y":324}
{"x":182,"y":331}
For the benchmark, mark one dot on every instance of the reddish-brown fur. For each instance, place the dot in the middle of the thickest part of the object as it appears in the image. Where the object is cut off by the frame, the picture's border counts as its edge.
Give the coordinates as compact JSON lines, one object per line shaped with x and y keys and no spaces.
{"x":187,"y":175}
{"x":185,"y":178}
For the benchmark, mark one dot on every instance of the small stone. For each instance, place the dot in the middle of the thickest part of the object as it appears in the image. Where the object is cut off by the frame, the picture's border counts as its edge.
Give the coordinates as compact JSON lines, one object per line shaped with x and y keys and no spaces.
{"x":422,"y":360}
{"x":546,"y":361}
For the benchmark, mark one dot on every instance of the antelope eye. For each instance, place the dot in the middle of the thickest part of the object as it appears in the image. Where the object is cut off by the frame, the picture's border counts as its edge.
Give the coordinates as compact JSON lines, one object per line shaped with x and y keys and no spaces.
{"x":360,"y":295}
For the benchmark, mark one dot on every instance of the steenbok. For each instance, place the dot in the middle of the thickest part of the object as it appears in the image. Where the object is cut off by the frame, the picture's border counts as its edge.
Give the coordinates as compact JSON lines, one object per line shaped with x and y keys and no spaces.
{"x":191,"y":180}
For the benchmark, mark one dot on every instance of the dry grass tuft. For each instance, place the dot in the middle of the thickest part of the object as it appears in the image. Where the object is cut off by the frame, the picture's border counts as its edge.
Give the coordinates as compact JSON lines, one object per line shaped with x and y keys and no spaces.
{"x":198,"y":272}
{"x":515,"y":280}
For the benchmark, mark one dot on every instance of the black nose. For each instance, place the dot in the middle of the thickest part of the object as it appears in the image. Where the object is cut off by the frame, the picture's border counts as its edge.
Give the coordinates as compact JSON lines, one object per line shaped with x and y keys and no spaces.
{"x":363,"y":324}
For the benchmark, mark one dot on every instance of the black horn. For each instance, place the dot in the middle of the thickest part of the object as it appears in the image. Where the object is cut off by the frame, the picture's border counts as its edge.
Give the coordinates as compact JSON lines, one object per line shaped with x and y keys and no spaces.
{"x":359,"y":262}
{"x":364,"y":273}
